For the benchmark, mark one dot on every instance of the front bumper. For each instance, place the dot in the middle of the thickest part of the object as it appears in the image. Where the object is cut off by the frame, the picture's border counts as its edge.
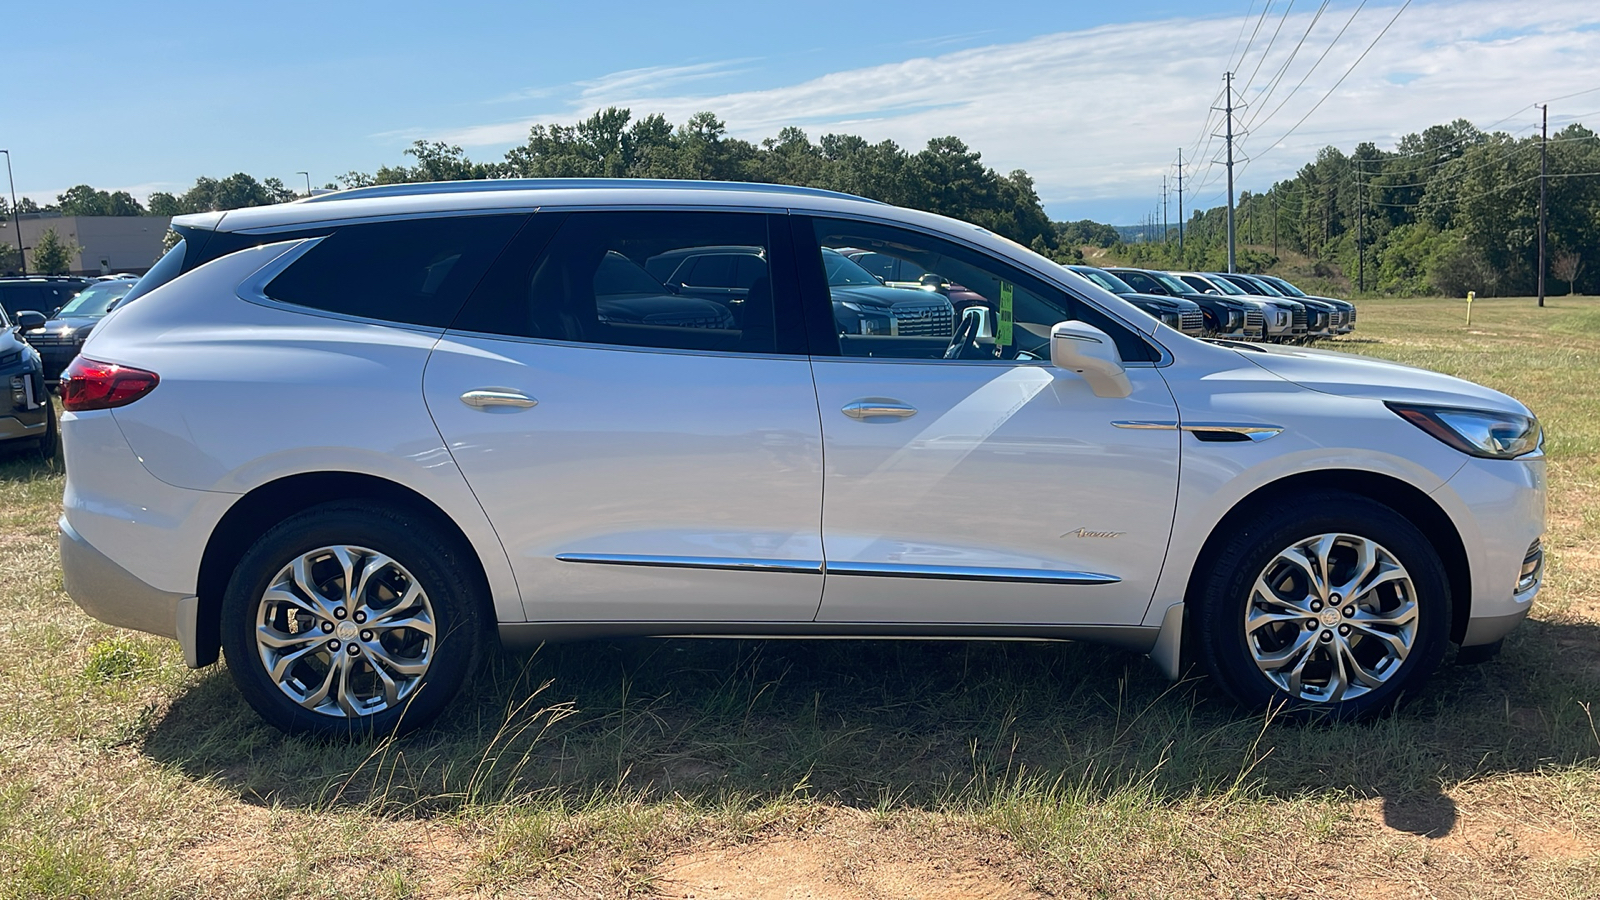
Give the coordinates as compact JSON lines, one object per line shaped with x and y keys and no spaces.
{"x":25,"y":412}
{"x":1499,"y":509}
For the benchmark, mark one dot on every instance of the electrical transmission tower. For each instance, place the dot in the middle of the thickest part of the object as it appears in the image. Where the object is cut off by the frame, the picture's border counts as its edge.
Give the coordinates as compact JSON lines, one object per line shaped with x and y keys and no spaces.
{"x":1228,"y":109}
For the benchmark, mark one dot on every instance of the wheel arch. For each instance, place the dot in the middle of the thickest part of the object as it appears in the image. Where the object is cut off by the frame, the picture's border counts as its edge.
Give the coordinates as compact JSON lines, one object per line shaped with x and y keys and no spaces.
{"x":1404,"y":498}
{"x":268,"y":504}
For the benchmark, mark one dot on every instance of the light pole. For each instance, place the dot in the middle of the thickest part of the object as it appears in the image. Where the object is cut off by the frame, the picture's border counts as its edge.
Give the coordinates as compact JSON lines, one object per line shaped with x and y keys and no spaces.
{"x":22,"y":258}
{"x":308,"y":181}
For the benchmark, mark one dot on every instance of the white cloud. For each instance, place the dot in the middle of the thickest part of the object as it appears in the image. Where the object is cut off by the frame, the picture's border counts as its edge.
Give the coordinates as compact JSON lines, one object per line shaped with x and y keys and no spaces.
{"x":1101,"y":113}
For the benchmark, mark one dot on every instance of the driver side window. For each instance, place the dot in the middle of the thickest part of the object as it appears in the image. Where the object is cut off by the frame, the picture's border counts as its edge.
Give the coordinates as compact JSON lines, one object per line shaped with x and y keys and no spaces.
{"x":900,"y":294}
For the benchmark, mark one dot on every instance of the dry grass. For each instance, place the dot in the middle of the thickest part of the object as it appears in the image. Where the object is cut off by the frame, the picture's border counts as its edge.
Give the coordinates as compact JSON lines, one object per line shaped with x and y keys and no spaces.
{"x":834,"y":769}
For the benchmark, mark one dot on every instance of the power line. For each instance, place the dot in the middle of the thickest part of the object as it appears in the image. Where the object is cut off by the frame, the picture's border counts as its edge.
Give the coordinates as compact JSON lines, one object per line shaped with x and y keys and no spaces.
{"x":1277,"y":78}
{"x":1266,"y":52}
{"x":1263,"y":18}
{"x":1279,"y":142}
{"x":1307,"y":76}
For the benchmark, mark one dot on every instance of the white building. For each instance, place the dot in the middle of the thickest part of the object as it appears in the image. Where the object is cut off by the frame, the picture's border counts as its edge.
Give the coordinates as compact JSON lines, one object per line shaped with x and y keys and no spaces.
{"x":105,"y":244}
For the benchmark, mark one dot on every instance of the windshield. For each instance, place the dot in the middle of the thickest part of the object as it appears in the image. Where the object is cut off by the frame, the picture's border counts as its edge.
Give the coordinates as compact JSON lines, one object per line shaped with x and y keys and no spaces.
{"x":1173,"y":283}
{"x":1106,"y":280}
{"x":170,"y":266}
{"x":1224,"y":285}
{"x":843,"y":271}
{"x":96,"y":300}
{"x":1288,"y":288}
{"x":1263,"y":287}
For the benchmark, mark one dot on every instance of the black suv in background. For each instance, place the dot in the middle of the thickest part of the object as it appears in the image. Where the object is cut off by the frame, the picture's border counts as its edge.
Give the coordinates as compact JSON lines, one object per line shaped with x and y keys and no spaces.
{"x":58,"y":339}
{"x":1178,"y":314}
{"x":27,"y":418}
{"x":1225,"y":316}
{"x":1340,"y":327}
{"x":40,"y":293}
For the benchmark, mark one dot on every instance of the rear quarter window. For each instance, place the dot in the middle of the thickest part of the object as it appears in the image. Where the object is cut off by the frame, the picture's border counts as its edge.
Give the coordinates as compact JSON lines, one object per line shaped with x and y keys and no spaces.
{"x":412,"y":272}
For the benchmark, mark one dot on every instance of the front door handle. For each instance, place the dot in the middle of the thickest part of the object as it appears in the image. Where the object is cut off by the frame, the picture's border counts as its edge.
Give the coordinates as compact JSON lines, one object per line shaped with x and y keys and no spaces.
{"x":873,"y":407}
{"x":486,"y":398}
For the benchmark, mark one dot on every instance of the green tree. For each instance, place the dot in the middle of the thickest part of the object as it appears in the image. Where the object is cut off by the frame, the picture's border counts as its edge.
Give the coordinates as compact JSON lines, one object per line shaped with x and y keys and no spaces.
{"x":10,"y":260}
{"x":52,"y":255}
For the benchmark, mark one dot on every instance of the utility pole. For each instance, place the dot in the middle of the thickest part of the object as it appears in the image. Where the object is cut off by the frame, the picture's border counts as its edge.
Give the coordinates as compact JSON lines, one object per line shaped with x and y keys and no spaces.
{"x":1228,"y":109}
{"x":1274,"y":223}
{"x":1544,"y":171}
{"x":22,"y":257}
{"x":1180,"y":201}
{"x":1164,"y":228}
{"x":1361,"y":239}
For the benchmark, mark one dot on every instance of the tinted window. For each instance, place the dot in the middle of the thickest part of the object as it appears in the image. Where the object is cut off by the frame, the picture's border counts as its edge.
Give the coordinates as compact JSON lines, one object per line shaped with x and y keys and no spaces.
{"x":417,"y":271}
{"x":587,"y":277}
{"x":165,"y":269}
{"x":1143,"y":283}
{"x":978,"y":307}
{"x":1106,"y":280}
{"x":96,"y":300}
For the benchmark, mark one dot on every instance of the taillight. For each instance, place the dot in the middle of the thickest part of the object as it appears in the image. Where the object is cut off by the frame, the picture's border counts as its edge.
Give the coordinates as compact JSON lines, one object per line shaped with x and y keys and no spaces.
{"x":87,"y":384}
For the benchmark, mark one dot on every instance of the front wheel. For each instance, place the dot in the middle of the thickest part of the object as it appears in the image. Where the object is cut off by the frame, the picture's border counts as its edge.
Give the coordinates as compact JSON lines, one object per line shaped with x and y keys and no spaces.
{"x":347,"y":620}
{"x":1328,"y":603}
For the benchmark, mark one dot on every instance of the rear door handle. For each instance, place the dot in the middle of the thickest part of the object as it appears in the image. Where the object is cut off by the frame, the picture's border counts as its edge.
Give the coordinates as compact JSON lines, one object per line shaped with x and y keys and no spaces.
{"x":485,"y":398}
{"x":873,"y":407}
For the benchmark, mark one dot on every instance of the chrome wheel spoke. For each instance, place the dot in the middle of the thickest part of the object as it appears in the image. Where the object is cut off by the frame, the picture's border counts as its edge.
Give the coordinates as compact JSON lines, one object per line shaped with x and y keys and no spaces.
{"x":345,"y":632}
{"x":268,"y":636}
{"x":1356,"y":644}
{"x":406,"y":668}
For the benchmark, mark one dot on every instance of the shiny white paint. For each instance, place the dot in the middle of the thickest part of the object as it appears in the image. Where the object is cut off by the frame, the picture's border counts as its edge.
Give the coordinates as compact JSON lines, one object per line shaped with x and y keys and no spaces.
{"x":253,"y":393}
{"x":682,"y":455}
{"x":628,"y":452}
{"x":1001,"y":467}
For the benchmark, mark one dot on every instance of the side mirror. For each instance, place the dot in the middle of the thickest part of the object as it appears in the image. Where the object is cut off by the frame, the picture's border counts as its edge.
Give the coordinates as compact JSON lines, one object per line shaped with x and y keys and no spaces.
{"x":28,"y":319}
{"x":1161,"y":290}
{"x":1082,"y":348}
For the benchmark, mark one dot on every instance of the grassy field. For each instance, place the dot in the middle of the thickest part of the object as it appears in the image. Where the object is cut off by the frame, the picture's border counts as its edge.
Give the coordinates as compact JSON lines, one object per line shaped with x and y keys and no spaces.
{"x":835,"y":769}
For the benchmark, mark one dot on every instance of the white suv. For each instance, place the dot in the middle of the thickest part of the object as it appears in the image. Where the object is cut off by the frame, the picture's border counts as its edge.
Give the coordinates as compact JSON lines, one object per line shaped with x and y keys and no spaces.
{"x":349,"y":440}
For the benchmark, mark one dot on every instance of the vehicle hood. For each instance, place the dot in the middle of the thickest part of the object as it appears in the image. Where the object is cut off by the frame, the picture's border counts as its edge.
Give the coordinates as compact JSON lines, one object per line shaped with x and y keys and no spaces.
{"x":880,"y":295}
{"x":1170,"y":304}
{"x":67,"y":325}
{"x":1349,"y":375}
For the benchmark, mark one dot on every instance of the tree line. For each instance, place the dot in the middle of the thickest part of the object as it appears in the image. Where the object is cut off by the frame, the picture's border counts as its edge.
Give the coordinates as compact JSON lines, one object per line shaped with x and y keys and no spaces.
{"x":1450,"y":209}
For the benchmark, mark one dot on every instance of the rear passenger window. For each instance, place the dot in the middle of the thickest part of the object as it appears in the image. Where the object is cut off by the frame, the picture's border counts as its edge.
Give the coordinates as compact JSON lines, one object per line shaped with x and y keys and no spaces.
{"x":415,"y":272}
{"x":598,"y":279}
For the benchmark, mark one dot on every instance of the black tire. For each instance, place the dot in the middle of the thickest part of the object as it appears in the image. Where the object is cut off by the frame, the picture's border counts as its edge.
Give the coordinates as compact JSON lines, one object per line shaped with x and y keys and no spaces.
{"x":1226,"y":594}
{"x":436,"y":564}
{"x":51,"y":441}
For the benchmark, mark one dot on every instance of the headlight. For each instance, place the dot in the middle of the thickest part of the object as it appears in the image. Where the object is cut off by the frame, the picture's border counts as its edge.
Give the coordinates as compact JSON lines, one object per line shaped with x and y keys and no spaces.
{"x":1282,"y":318}
{"x":850,"y":304}
{"x":1234,"y":317}
{"x":1477,"y":432}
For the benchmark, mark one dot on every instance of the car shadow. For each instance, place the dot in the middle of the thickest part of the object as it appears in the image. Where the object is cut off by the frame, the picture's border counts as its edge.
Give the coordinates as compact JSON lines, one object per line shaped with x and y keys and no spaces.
{"x":909,"y":723}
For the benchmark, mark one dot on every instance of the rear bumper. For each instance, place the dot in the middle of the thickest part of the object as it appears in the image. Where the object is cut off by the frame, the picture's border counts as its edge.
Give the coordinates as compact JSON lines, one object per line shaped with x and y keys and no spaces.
{"x":111,"y":593}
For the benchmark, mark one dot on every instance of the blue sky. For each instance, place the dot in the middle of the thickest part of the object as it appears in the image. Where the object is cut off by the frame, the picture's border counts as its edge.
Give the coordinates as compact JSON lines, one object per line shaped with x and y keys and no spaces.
{"x":1093,"y":99}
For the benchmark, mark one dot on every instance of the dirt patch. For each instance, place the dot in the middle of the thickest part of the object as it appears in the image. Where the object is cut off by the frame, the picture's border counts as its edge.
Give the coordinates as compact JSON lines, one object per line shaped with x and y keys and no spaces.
{"x":848,"y":857}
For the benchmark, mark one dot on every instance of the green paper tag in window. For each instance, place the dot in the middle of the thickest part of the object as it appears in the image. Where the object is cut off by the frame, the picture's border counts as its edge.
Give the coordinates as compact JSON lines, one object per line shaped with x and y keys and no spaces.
{"x":1002,"y":334}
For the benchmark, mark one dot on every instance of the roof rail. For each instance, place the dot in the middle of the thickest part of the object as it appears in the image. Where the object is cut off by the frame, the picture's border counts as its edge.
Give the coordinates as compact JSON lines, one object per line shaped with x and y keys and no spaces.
{"x":537,"y":184}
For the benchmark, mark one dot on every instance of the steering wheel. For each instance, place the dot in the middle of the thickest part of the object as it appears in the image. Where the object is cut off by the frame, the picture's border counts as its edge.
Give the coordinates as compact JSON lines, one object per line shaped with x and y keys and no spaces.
{"x":964,"y":343}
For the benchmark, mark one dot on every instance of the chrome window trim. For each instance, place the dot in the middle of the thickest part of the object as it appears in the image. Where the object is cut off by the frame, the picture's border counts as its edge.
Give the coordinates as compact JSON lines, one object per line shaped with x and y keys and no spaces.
{"x":254,"y":290}
{"x":1165,"y":357}
{"x":723,"y":563}
{"x":625,"y":348}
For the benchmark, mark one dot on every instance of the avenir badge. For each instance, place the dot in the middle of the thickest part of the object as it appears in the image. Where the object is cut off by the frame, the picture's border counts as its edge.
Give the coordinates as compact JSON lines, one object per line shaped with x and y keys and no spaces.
{"x":1087,"y":533}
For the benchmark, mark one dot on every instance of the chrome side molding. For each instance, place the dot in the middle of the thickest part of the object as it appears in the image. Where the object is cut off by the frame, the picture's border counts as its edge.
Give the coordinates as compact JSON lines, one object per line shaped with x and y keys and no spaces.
{"x":1255,"y":431}
{"x":818,"y":567}
{"x":728,"y":563}
{"x":969,"y":573}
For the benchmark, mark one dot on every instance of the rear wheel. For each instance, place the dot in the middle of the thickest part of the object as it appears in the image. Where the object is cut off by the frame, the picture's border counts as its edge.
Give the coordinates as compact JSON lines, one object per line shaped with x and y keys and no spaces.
{"x":1328,"y":603}
{"x":350,"y":619}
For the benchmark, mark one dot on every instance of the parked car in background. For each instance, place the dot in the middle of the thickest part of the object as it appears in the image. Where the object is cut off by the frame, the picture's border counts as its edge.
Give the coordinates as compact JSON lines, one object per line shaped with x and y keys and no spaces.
{"x":40,"y":293}
{"x":1285,"y":319}
{"x":1178,"y":314}
{"x":351,"y":440}
{"x":1225,"y":316}
{"x":1289,"y":290}
{"x":1320,"y":315}
{"x":905,"y":274}
{"x":27,"y":416}
{"x":59,"y":338}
